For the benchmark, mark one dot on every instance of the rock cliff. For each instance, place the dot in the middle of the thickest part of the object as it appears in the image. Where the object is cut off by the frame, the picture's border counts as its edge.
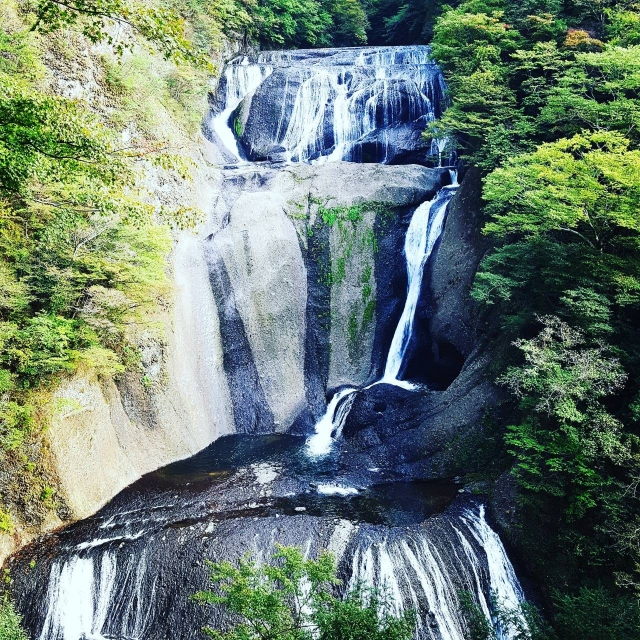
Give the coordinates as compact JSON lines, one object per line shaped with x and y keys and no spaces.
{"x":413,"y":433}
{"x":294,"y":263}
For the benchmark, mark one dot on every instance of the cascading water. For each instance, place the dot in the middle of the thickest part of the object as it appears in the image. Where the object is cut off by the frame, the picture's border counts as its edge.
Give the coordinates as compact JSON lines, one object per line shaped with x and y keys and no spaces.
{"x":331,"y":423}
{"x":334,"y":104}
{"x":238,"y":81}
{"x":128,"y":572}
{"x":418,"y":574}
{"x":424,"y":231}
{"x":422,"y":235}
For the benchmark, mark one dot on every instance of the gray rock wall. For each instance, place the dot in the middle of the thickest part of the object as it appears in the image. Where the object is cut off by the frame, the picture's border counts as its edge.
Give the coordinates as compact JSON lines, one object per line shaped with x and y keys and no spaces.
{"x":293,"y":270}
{"x":455,"y":316}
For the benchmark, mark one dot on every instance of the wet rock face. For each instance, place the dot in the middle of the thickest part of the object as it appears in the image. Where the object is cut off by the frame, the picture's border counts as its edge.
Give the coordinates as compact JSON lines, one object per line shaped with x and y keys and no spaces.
{"x":301,"y":288}
{"x":264,"y":116}
{"x":129,"y":571}
{"x":362,"y":104}
{"x":384,"y":411}
{"x":454,"y":315}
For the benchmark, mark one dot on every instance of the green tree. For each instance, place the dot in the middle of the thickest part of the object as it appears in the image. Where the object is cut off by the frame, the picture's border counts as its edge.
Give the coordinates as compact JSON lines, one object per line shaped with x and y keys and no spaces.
{"x":291,"y":597}
{"x":564,"y":446}
{"x":588,"y":185}
{"x":160,"y":26}
{"x":293,"y":23}
{"x":597,"y":614}
{"x":350,"y":22}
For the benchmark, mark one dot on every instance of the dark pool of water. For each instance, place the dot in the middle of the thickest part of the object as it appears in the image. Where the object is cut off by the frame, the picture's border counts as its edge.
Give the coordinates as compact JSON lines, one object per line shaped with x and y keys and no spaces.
{"x":320,"y":490}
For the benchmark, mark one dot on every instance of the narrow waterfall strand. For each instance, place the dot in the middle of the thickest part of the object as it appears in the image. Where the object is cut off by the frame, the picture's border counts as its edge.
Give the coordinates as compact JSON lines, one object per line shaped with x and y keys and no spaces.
{"x":71,"y":612}
{"x":505,"y":585}
{"x":241,"y":80}
{"x":332,"y":421}
{"x":424,"y":230}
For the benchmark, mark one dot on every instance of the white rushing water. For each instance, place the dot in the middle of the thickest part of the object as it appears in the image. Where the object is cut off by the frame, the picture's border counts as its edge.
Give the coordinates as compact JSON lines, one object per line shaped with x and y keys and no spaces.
{"x":240,"y":80}
{"x":424,"y":231}
{"x":78,"y":599}
{"x":420,"y":573}
{"x":111,"y":593}
{"x":85,"y":594}
{"x":333,"y":101}
{"x":331,"y":423}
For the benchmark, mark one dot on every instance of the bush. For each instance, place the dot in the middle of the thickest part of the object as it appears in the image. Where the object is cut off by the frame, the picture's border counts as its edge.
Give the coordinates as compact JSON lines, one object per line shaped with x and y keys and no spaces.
{"x":10,"y":623}
{"x":597,"y":614}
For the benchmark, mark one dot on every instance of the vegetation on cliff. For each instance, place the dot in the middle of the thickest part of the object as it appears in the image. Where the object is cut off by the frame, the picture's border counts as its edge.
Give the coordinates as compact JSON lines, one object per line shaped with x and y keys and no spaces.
{"x":85,"y":137}
{"x":10,"y":622}
{"x":544,"y":100}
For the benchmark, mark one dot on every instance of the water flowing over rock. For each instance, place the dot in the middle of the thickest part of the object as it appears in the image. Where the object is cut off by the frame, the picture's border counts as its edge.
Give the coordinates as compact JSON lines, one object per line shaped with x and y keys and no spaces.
{"x":423,"y":233}
{"x":128,"y":572}
{"x":359,"y":105}
{"x":300,"y":299}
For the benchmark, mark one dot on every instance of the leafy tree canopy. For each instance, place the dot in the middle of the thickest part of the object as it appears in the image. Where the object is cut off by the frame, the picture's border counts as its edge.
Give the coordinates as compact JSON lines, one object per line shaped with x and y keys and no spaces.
{"x":291,"y":598}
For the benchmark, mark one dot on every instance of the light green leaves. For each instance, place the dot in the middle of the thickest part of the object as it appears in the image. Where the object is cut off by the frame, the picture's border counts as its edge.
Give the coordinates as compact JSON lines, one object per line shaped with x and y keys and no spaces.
{"x":588,"y":185}
{"x":161,"y":27}
{"x":291,"y":598}
{"x":10,"y":622}
{"x":563,"y":445}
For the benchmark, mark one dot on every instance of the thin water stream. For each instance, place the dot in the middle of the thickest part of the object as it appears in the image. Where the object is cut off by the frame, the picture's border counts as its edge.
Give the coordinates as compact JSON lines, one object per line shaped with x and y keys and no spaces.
{"x":422,"y":236}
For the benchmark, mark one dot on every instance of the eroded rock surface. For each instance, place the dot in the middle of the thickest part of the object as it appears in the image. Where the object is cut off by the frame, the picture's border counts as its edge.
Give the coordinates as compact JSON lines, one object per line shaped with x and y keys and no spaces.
{"x":294,"y":267}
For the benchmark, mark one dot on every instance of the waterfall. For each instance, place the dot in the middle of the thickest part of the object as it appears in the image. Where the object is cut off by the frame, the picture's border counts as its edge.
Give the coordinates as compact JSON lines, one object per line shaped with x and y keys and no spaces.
{"x":113,"y":591}
{"x":74,"y":586}
{"x":424,"y":230}
{"x":422,"y":235}
{"x":333,"y":104}
{"x":91,"y":594}
{"x":129,"y":571}
{"x":422,"y":574}
{"x":331,"y":423}
{"x":238,"y":80}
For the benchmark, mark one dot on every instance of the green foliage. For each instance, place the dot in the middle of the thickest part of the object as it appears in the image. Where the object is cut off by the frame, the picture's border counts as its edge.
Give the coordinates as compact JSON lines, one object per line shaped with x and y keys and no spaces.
{"x":565,"y":444}
{"x":478,"y":626}
{"x":10,"y":622}
{"x":80,"y":256}
{"x":521,"y":623}
{"x":161,"y":27}
{"x":292,"y":23}
{"x":596,"y":614}
{"x":544,"y":100}
{"x":309,"y":23}
{"x":83,"y":245}
{"x":6,"y":524}
{"x":350,"y":22}
{"x":274,"y":23}
{"x":399,"y":22}
{"x":291,"y":596}
{"x":588,"y":185}
{"x":270,"y":598}
{"x":237,"y":127}
{"x":361,"y":615}
{"x":519,"y":75}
